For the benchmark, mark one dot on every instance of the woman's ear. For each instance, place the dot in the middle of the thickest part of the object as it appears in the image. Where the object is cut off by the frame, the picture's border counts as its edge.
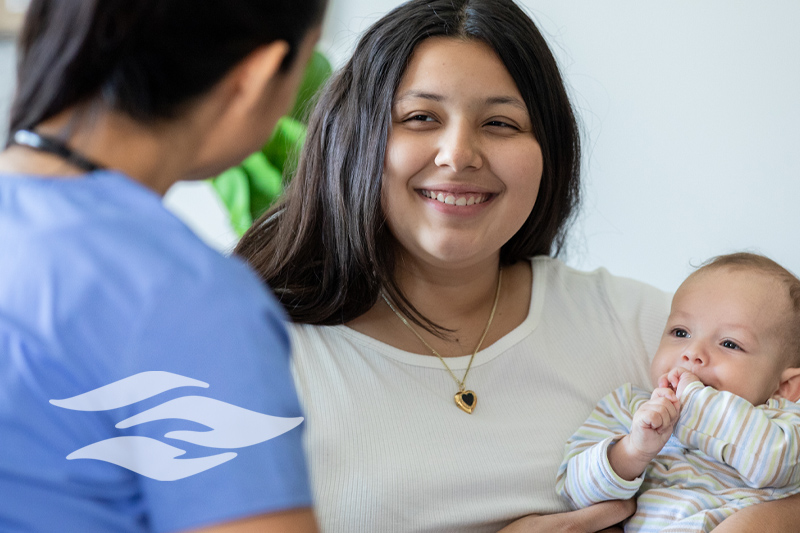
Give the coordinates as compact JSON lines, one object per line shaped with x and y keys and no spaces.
{"x":790,"y":385}
{"x":252,"y":78}
{"x":237,"y":116}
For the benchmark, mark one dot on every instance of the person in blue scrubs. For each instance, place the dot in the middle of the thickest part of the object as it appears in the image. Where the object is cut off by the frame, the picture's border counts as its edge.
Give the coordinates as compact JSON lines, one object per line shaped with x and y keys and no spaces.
{"x":144,"y":378}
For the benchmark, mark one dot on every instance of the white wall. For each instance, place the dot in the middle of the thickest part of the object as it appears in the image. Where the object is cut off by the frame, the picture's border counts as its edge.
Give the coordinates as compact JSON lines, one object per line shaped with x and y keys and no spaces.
{"x":691,"y":120}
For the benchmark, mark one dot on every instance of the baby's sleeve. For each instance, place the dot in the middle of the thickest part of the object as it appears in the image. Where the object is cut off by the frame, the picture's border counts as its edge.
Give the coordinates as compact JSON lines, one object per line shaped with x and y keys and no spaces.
{"x":585,"y":476}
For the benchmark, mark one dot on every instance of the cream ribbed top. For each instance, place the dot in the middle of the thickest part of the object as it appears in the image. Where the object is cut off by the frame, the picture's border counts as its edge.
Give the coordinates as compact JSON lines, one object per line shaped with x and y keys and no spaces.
{"x":388,"y":449}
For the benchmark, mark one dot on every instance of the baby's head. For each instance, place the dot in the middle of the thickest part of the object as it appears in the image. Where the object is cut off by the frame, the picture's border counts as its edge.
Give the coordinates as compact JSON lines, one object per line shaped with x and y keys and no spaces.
{"x":735,"y":324}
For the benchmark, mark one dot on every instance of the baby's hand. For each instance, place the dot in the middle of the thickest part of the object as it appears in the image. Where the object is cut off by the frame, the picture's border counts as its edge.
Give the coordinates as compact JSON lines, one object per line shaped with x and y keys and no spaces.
{"x":677,"y":379}
{"x":653,"y":422}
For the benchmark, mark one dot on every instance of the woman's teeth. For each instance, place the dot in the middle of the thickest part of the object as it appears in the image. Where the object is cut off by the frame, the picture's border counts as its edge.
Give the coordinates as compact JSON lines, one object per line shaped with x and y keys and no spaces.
{"x":451,"y":199}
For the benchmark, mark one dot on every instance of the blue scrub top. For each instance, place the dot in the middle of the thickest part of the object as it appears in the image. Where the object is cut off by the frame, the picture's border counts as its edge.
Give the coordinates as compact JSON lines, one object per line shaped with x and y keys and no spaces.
{"x":144,"y":378}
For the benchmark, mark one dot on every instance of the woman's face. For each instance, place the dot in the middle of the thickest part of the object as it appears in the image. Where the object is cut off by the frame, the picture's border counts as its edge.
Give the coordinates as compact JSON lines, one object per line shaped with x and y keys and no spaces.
{"x":462,"y":166}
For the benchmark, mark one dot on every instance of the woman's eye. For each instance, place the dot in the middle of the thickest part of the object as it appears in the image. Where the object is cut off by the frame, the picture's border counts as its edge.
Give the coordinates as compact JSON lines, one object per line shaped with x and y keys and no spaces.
{"x":419,"y":118}
{"x":501,"y":124}
{"x":678,"y":332}
{"x":731,"y":345}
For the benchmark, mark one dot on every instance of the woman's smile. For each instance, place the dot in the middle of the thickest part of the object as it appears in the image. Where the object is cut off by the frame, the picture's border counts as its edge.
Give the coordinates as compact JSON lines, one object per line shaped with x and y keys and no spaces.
{"x":455,"y":198}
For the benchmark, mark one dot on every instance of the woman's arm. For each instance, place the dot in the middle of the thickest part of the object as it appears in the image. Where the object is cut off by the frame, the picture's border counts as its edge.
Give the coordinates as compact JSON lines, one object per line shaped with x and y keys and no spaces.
{"x":291,"y":521}
{"x":776,"y":516}
{"x":599,"y":517}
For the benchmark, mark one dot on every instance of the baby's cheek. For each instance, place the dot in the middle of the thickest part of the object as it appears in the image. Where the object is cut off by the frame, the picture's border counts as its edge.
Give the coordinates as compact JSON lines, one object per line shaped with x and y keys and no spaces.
{"x":657,"y":369}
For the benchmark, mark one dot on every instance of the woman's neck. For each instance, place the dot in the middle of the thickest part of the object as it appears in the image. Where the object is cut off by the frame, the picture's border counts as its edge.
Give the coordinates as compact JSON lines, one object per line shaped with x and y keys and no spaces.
{"x":448,"y":295}
{"x":458,"y":299}
{"x":156,"y":156}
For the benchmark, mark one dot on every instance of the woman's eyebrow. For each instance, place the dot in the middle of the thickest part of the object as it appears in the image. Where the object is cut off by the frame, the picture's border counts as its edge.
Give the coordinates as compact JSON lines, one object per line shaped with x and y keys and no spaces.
{"x":420,"y":94}
{"x":492,"y":100}
{"x":506,"y":100}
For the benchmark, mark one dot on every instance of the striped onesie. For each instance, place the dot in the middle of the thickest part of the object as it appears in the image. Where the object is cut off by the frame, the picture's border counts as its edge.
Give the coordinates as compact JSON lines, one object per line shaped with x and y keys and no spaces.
{"x":724,"y":454}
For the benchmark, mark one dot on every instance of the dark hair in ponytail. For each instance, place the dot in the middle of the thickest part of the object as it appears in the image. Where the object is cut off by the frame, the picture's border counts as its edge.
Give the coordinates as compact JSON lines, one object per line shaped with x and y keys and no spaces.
{"x":146,"y":58}
{"x":326,"y":250}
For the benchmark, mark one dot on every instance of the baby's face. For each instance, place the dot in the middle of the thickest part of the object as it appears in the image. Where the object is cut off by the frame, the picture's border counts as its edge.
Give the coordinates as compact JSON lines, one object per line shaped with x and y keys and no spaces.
{"x":725,"y":327}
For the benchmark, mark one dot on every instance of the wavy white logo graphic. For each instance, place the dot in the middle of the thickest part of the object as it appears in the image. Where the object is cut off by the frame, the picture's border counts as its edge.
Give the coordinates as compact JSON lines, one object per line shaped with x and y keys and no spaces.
{"x":231,"y":426}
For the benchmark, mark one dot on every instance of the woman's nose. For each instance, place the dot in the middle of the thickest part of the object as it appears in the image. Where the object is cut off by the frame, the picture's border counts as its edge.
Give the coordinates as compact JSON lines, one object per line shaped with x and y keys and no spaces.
{"x":459,"y":149}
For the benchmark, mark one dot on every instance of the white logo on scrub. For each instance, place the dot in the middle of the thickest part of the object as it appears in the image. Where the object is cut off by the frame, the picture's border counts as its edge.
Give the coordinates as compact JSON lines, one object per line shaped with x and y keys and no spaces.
{"x":231,"y":426}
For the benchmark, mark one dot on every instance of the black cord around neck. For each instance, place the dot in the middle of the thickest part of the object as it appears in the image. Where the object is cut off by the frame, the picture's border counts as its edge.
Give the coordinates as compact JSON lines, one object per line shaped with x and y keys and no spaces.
{"x":50,"y":145}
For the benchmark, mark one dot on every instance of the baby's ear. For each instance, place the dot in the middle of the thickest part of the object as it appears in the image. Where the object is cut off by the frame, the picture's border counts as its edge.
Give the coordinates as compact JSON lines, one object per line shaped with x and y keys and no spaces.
{"x":790,"y":385}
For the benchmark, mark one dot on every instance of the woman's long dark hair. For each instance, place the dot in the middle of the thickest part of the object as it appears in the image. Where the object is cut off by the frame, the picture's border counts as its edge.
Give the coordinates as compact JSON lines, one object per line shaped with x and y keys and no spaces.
{"x":326,"y":250}
{"x":146,"y":58}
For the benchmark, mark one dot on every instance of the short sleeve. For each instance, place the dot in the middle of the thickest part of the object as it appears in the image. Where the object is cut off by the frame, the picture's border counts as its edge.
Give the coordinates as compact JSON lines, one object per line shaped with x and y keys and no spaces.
{"x":640,"y":308}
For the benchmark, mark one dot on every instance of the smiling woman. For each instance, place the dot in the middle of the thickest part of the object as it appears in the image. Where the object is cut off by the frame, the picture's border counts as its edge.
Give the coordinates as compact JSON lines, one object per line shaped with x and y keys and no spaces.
{"x":335,"y":196}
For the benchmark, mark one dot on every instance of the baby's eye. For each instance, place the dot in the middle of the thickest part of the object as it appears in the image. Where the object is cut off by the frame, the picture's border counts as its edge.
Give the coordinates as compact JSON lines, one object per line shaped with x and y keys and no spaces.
{"x":679,"y":332}
{"x":731,"y":345}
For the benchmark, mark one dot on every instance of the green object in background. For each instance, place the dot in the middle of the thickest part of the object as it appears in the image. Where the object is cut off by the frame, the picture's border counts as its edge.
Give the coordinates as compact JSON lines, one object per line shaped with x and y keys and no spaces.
{"x":317,"y":73}
{"x":233,"y":188}
{"x":249,"y":189}
{"x":283,"y":147}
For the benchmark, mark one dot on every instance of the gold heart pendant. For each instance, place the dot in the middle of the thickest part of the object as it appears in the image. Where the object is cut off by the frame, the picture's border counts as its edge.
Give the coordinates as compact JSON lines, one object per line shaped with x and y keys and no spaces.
{"x":466,"y":400}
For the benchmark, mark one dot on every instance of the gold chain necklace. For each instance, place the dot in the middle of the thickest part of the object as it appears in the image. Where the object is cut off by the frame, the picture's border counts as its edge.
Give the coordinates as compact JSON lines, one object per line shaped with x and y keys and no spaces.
{"x":466,"y":400}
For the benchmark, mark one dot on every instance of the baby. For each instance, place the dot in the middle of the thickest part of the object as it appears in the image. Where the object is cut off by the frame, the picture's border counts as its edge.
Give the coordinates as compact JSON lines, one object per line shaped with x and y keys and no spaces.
{"x":721,"y":430}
